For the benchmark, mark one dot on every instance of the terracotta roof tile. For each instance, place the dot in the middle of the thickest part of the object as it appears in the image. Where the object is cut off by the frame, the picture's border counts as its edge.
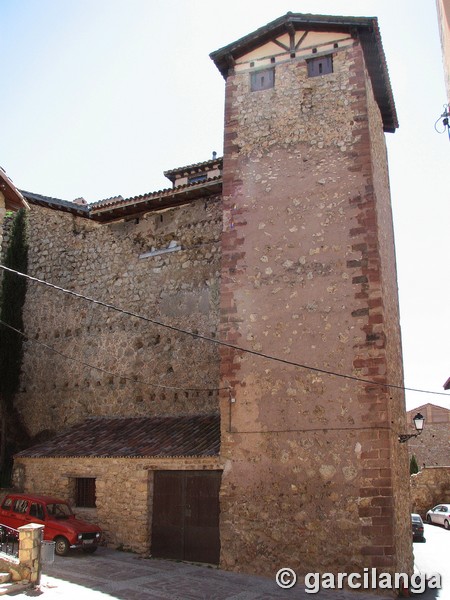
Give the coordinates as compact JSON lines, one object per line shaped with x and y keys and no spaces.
{"x":168,"y":436}
{"x":217,"y":161}
{"x":119,"y":201}
{"x":56,"y":203}
{"x":118,"y":207}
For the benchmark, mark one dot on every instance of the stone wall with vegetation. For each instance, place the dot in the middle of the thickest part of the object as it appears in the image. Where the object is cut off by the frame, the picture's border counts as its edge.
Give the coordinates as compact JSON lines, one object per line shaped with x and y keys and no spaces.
{"x":5,"y":233}
{"x":124,"y":491}
{"x":140,"y":364}
{"x":430,"y":486}
{"x":306,"y":275}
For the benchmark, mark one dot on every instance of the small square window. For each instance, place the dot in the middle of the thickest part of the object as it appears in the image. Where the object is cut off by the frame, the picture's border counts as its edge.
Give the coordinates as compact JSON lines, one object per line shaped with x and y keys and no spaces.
{"x":322,"y":65}
{"x":85,"y":492}
{"x":262,"y":80}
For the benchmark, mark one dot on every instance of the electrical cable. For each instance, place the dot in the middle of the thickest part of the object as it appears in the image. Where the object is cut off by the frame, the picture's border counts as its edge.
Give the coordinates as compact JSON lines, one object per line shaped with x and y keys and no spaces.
{"x":220,"y":342}
{"x":113,"y":373}
{"x":166,"y":387}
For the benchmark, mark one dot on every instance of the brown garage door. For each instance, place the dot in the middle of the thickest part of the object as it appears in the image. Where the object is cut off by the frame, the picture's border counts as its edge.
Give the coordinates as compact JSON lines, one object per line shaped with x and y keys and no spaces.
{"x":185,"y":522}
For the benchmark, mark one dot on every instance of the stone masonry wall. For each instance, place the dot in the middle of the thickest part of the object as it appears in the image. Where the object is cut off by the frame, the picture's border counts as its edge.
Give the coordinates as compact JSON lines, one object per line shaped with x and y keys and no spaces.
{"x":124,"y":491}
{"x":306,"y":277}
{"x":102,"y":261}
{"x":429,"y":487}
{"x":432,"y":447}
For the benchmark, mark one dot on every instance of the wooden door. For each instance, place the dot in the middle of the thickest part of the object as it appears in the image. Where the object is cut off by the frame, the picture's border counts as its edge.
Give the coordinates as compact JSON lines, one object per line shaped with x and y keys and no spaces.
{"x":185,"y":522}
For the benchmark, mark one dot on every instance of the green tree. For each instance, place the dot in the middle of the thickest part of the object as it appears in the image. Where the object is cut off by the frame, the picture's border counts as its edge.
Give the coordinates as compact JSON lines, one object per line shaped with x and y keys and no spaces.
{"x":413,"y":466}
{"x":12,"y":298}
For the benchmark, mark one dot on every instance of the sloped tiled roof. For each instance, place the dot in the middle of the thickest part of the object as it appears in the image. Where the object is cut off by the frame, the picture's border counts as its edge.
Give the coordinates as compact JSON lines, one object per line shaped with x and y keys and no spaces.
{"x":119,"y":207}
{"x":161,"y":198}
{"x":49,"y":202}
{"x":168,"y":436}
{"x":216,"y":162}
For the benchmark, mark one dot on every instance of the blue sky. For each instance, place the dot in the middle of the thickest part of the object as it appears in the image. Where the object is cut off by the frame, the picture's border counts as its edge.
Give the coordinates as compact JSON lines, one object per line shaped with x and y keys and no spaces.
{"x":99,"y":97}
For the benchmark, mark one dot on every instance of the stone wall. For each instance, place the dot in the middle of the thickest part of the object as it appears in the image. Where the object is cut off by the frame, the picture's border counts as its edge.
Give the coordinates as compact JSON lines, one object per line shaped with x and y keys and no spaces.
{"x":432,"y":447}
{"x":103,"y":261}
{"x":124,"y":491}
{"x":429,"y":487}
{"x":25,"y":569}
{"x":308,"y":275}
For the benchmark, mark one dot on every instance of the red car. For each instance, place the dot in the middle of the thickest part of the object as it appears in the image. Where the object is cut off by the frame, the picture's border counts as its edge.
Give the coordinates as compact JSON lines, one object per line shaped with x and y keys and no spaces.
{"x":60,"y":524}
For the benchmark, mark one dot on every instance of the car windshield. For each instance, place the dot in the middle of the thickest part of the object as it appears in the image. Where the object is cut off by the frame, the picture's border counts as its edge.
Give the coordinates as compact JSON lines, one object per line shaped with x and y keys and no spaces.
{"x":59,"y":510}
{"x":416,"y":519}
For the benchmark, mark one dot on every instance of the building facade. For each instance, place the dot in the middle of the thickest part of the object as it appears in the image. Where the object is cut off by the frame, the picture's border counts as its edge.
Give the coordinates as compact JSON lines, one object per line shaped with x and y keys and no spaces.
{"x":284,"y":253}
{"x":432,"y":447}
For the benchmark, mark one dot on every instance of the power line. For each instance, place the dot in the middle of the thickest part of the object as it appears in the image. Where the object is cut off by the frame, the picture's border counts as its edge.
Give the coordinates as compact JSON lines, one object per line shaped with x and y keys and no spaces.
{"x":221,"y":342}
{"x":102,"y":370}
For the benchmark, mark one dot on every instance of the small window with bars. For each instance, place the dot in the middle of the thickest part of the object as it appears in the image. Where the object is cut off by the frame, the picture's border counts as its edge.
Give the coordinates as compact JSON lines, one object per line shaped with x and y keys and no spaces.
{"x":320,"y":65}
{"x":85,"y":492}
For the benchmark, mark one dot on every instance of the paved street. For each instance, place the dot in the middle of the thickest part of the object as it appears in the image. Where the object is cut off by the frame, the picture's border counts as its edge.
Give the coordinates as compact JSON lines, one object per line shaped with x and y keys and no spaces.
{"x":113,"y":575}
{"x":434,"y":557}
{"x":109,"y":575}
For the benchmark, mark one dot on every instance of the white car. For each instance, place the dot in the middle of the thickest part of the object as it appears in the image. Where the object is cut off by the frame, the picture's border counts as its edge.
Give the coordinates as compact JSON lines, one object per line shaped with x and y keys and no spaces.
{"x":440,"y":515}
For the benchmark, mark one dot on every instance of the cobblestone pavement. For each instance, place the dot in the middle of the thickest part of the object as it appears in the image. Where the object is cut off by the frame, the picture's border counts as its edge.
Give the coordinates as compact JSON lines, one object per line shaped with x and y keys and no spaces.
{"x":110,"y":574}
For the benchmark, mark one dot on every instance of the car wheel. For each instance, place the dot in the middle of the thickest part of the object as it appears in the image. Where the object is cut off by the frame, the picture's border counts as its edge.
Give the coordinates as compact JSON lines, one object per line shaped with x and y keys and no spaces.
{"x":428,"y":519}
{"x":446,"y":524}
{"x":61,"y":546}
{"x":90,"y":550}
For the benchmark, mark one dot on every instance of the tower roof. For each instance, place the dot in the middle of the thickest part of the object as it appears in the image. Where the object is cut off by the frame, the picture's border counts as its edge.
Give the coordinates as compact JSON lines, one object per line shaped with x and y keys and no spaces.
{"x":365,"y":28}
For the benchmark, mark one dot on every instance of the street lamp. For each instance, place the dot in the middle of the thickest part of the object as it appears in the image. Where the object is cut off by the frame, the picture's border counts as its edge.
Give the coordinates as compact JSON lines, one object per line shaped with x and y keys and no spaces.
{"x":418,"y":421}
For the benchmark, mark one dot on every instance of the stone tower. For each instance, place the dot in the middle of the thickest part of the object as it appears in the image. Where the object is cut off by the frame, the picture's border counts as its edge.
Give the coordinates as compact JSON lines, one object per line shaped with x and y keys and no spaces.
{"x":314,"y":475}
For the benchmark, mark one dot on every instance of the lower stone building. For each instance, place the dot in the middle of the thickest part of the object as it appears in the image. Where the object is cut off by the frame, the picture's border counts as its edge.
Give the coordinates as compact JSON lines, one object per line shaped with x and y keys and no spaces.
{"x":256,"y":301}
{"x":149,"y":482}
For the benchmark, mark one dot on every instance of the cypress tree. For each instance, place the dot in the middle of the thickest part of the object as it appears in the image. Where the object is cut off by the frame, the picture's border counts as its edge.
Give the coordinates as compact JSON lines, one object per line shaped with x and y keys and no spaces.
{"x":12,"y":298}
{"x":413,"y":466}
